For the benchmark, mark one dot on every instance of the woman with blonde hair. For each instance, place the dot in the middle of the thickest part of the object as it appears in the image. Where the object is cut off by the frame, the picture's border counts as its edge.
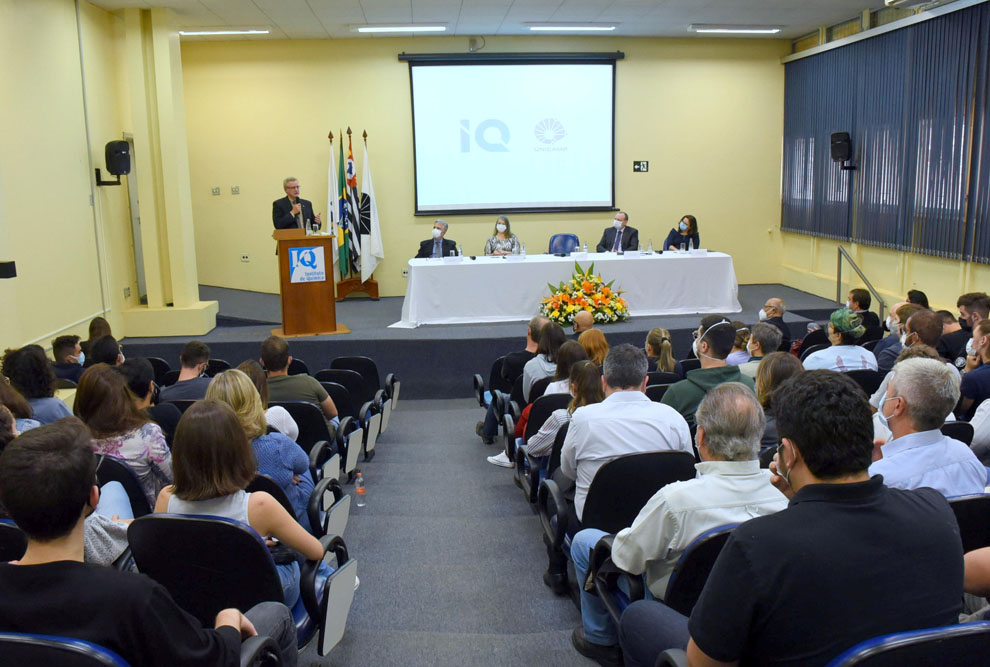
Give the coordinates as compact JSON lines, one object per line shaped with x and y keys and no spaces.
{"x":594,"y":343}
{"x":770,"y":374}
{"x":276,"y":416}
{"x":660,"y":351}
{"x":278,"y":456}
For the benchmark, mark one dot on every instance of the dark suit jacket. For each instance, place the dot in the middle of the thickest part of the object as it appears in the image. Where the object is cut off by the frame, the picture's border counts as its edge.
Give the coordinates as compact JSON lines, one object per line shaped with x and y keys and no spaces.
{"x":426,"y":248}
{"x":283,"y":219}
{"x":785,"y":333}
{"x":630,"y":239}
{"x":870,"y":319}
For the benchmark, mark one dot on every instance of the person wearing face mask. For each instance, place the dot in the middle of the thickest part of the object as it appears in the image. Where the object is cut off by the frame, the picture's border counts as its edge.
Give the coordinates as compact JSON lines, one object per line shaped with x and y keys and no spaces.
{"x":740,"y":354}
{"x":844,"y":329}
{"x":975,"y":386}
{"x":620,"y":237}
{"x":438,"y":246}
{"x":772,"y":312}
{"x":859,"y":302}
{"x":503,"y":241}
{"x":973,"y":308}
{"x":952,"y":343}
{"x":69,"y":358}
{"x":888,"y":348}
{"x":920,"y":395}
{"x":686,"y":232}
{"x":712,"y":344}
{"x":764,"y":340}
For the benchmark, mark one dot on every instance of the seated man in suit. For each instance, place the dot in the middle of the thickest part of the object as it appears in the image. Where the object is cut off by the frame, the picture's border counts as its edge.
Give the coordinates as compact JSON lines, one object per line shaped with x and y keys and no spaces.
{"x":292,"y":211}
{"x":69,"y":358}
{"x":47,"y":484}
{"x":438,"y":246}
{"x":620,"y":237}
{"x":859,"y":301}
{"x":192,"y":383}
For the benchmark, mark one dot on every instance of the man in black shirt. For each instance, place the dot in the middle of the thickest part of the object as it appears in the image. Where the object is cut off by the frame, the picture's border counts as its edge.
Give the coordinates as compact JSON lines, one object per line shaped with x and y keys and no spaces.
{"x":859,"y":301}
{"x":773,"y":313}
{"x":69,"y":358}
{"x":47,"y":485}
{"x":952,"y":344}
{"x":848,"y":560}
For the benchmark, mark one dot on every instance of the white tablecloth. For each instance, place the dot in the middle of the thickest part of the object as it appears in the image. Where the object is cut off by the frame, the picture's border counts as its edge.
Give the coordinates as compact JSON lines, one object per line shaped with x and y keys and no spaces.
{"x":496,"y":289}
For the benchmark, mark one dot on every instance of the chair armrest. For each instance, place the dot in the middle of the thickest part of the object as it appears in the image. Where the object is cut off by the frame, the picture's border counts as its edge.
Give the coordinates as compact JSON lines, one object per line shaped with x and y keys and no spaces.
{"x":379,"y":400}
{"x":479,"y":389}
{"x":389,"y":383}
{"x":510,"y":436}
{"x":513,"y":409}
{"x":605,"y":576}
{"x":672,"y":657}
{"x":315,"y":503}
{"x":520,"y":460}
{"x":125,"y":561}
{"x":365,"y":413}
{"x":551,"y":504}
{"x":308,"y":571}
{"x":259,"y":650}
{"x":318,"y":455}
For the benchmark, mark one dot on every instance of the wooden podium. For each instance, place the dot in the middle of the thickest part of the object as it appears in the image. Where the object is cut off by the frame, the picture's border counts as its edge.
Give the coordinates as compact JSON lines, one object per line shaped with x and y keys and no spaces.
{"x":308,"y":308}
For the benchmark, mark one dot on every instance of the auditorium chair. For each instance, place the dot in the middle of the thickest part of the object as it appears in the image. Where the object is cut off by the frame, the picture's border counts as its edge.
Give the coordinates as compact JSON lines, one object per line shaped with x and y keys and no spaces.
{"x":563,"y":243}
{"x":297,"y":367}
{"x":270,"y":486}
{"x":341,"y":399}
{"x":662,"y":377}
{"x":517,"y":395}
{"x":110,"y":469}
{"x":392,"y":386}
{"x":368,"y":370}
{"x":169,"y":378}
{"x":63,"y":383}
{"x":212,"y":563}
{"x":868,"y":380}
{"x":538,"y":388}
{"x":690,"y":364}
{"x":181,"y":404}
{"x":531,"y":470}
{"x":160,"y":367}
{"x":816,"y":337}
{"x":655,"y":392}
{"x":368,"y":417}
{"x":13,"y":541}
{"x":315,"y":436}
{"x":973,"y":516}
{"x":684,"y":584}
{"x":328,"y":506}
{"x":961,"y":431}
{"x":957,"y":645}
{"x":619,"y":490}
{"x":870,"y":344}
{"x":324,"y":460}
{"x":483,"y":392}
{"x":216,"y":366}
{"x":542,"y":408}
{"x":810,"y":350}
{"x":871,"y":334}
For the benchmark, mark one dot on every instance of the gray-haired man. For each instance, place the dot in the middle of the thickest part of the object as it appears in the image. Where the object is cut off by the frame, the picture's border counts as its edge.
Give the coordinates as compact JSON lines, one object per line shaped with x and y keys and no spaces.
{"x":438,"y":246}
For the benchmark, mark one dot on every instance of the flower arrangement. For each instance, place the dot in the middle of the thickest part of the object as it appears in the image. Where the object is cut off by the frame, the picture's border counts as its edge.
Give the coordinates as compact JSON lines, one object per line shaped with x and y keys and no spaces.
{"x":584,"y":291}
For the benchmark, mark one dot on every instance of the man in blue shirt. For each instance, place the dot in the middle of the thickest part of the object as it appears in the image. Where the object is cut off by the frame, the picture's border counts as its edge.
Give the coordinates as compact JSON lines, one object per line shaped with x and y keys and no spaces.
{"x":921,"y":393}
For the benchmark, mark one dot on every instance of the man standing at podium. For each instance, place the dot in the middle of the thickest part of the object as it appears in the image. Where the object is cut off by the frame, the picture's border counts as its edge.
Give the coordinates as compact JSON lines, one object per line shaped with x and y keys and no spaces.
{"x":291,"y":211}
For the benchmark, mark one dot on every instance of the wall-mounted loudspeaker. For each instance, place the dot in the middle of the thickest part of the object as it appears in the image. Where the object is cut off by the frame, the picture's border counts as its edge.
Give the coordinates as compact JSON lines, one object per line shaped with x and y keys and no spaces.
{"x":118,"y":158}
{"x":841,"y":147}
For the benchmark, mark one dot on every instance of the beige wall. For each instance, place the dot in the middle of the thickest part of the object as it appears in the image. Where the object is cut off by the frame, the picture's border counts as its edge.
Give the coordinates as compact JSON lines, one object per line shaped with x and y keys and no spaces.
{"x":707,"y":114}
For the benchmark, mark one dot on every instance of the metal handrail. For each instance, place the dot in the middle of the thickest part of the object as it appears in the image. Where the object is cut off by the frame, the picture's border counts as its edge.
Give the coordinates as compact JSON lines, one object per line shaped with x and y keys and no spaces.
{"x":838,"y":279}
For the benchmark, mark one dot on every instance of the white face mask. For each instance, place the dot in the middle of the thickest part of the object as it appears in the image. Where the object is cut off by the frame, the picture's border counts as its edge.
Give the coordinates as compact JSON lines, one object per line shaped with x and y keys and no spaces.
{"x":500,"y":227}
{"x":436,"y":233}
{"x":849,"y":304}
{"x":890,"y":323}
{"x":970,"y":349}
{"x":903,"y":340}
{"x":694,"y":348}
{"x":616,"y":223}
{"x":763,"y":315}
{"x":884,"y":420}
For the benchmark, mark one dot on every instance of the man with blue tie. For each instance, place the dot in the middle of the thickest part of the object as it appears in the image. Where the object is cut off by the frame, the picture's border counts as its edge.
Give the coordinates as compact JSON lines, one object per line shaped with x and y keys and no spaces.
{"x":438,"y":246}
{"x":620,"y":237}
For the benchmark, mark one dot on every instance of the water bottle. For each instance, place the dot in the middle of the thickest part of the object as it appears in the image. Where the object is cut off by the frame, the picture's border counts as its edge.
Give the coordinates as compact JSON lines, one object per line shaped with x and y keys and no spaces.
{"x":584,"y":248}
{"x":460,"y":251}
{"x":649,"y":248}
{"x":359,"y":490}
{"x":690,"y":245}
{"x":522,"y":249}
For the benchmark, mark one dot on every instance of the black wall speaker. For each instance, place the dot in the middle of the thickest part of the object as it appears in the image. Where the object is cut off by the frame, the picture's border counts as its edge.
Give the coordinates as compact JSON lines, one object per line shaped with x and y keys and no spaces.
{"x":841,"y":147}
{"x":118,"y":157}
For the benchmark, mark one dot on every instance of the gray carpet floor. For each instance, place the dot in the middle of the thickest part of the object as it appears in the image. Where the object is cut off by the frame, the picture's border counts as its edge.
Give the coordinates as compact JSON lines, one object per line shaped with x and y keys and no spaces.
{"x":449,"y":555}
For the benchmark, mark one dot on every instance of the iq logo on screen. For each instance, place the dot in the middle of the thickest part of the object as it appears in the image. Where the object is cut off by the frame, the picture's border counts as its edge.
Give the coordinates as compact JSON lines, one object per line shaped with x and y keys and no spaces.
{"x":306,"y":265}
{"x":490,"y":135}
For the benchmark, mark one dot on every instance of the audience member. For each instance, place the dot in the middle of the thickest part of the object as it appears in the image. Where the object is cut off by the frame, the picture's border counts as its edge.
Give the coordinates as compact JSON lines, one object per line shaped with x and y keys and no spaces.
{"x":276,"y":416}
{"x":569,"y":354}
{"x":890,"y":324}
{"x":763,"y":341}
{"x":8,"y":427}
{"x":920,"y":394}
{"x":502,"y":241}
{"x":105,"y":350}
{"x":544,"y":364}
{"x":139,"y":377}
{"x":844,"y":329}
{"x":976,"y":580}
{"x":915,"y":351}
{"x":975,"y":386}
{"x":974,"y":307}
{"x":46,"y":484}
{"x":952,"y":345}
{"x":625,"y":422}
{"x":594,"y":343}
{"x":18,"y":406}
{"x":980,"y":421}
{"x":773,"y":371}
{"x":918,"y":297}
{"x":32,"y":376}
{"x":214,"y":462}
{"x":583,"y":321}
{"x":773,"y":313}
{"x":278,"y":457}
{"x":192,"y":382}
{"x":438,"y":246}
{"x":69,"y":358}
{"x":284,"y":387}
{"x":784,"y":586}
{"x":859,"y":301}
{"x":619,"y":237}
{"x":120,"y":430}
{"x":886,"y":351}
{"x":739,"y":354}
{"x":98,"y":328}
{"x":660,"y":352}
{"x":513,"y":365}
{"x":730,"y":488}
{"x":712,"y":343}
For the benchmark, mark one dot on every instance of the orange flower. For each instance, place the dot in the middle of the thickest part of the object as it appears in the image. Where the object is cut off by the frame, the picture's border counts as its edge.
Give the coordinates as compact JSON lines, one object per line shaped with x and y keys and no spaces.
{"x":606,"y":290}
{"x":587,"y":287}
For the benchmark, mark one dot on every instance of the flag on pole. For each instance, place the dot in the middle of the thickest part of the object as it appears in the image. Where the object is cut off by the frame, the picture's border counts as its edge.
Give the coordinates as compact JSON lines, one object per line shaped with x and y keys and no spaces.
{"x":343,"y":248}
{"x":332,"y":197}
{"x":371,"y":242}
{"x":352,"y":202}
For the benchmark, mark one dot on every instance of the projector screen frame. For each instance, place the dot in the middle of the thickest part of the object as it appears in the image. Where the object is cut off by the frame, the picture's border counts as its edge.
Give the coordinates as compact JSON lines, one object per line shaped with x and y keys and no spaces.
{"x":520,"y":58}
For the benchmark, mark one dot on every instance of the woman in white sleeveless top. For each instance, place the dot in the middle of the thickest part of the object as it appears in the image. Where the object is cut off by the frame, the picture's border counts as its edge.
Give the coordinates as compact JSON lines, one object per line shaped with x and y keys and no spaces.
{"x":213,"y":462}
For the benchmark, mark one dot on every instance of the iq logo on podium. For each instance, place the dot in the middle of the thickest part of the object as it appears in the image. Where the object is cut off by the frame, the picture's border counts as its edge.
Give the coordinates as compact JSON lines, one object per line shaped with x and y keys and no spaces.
{"x":306,"y":265}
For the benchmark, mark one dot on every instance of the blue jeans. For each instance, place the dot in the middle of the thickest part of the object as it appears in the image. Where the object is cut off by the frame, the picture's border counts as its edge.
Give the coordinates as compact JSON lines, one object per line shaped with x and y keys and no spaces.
{"x":114,"y":500}
{"x":647,"y":629}
{"x":490,"y":429}
{"x":272,"y":619}
{"x":289,"y":576}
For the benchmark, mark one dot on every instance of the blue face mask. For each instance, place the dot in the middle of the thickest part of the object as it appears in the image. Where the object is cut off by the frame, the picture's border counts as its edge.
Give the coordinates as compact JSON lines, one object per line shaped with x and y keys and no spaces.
{"x":883,"y":420}
{"x":683,"y":226}
{"x":81,"y":359}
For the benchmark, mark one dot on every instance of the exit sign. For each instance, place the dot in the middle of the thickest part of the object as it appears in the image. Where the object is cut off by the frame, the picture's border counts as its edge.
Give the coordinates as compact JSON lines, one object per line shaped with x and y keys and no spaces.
{"x":641,"y":165}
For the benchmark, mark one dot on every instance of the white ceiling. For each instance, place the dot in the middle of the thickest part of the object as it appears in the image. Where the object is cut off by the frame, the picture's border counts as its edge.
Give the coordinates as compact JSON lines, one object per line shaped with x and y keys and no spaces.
{"x":323,"y":19}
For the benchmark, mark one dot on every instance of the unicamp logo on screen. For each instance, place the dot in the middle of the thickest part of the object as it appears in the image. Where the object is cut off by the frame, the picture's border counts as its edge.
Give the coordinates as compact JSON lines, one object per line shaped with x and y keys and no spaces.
{"x":493,"y":135}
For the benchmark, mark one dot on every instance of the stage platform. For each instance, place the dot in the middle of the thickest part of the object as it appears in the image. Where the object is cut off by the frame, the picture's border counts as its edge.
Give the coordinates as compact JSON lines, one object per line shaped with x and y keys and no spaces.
{"x":432,"y":361}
